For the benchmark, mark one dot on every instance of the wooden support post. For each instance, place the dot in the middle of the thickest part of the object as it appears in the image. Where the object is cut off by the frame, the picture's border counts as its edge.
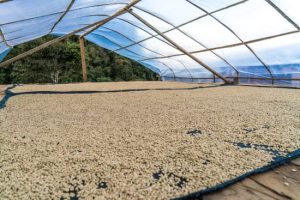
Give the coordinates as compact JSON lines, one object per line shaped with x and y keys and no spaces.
{"x":83,"y":59}
{"x":179,"y":47}
{"x":98,"y":24}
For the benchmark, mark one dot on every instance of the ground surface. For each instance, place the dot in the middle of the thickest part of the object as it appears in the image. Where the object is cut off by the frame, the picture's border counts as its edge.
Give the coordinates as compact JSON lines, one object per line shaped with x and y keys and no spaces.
{"x":154,"y":144}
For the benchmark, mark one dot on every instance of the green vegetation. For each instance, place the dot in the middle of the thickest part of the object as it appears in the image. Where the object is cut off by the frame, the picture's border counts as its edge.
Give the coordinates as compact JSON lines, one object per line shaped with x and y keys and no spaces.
{"x":61,"y":63}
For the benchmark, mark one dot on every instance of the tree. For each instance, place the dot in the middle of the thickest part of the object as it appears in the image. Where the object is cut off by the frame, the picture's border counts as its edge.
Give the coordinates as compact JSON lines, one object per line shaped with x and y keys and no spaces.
{"x":61,"y":63}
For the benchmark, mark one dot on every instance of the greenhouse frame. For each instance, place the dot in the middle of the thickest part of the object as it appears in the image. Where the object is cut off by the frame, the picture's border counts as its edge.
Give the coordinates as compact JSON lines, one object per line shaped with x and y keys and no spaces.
{"x":182,"y":40}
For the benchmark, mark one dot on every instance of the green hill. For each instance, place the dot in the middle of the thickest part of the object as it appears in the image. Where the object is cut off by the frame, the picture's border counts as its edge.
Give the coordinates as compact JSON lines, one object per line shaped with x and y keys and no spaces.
{"x":61,"y":63}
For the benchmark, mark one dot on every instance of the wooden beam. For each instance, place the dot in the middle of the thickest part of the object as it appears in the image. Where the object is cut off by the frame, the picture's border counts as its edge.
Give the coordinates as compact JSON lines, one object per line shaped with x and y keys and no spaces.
{"x":124,"y":10}
{"x":45,"y":45}
{"x":83,"y":59}
{"x":179,"y":47}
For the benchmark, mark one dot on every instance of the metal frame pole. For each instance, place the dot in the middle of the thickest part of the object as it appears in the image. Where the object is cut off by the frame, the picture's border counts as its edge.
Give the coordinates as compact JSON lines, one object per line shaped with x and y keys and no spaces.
{"x":178,"y":47}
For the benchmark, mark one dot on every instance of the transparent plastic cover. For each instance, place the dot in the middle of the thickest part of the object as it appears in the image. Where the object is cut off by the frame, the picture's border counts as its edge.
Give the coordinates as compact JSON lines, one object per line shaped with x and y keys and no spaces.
{"x":255,"y":40}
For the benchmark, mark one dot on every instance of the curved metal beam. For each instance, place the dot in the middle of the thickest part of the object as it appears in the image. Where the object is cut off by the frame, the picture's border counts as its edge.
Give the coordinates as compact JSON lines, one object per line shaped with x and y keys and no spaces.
{"x":178,"y":47}
{"x":123,"y":35}
{"x":240,"y":43}
{"x":195,"y":19}
{"x":285,"y":16}
{"x":128,"y":22}
{"x":61,"y":12}
{"x":142,"y":55}
{"x":151,"y":35}
{"x":151,"y":51}
{"x":184,"y":67}
{"x":127,"y":7}
{"x":174,"y":76}
{"x":192,"y":38}
{"x":63,"y":15}
{"x":148,"y":50}
{"x":169,"y":68}
{"x":123,"y":20}
{"x":239,"y":38}
{"x":235,"y":44}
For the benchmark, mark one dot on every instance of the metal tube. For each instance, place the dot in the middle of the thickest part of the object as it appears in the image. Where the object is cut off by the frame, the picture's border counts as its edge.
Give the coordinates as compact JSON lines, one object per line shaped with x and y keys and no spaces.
{"x":179,"y":47}
{"x":122,"y":11}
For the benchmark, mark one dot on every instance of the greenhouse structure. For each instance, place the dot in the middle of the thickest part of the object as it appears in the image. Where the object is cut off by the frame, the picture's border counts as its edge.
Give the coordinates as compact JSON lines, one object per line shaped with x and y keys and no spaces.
{"x":217,"y":118}
{"x":182,"y":40}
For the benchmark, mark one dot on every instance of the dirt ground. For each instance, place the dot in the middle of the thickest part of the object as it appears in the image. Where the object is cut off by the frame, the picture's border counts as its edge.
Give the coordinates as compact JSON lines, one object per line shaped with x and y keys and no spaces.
{"x":154,"y":144}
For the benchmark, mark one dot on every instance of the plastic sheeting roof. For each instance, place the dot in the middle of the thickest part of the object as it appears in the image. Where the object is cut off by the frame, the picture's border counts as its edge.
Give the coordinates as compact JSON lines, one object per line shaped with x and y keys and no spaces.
{"x":254,"y":39}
